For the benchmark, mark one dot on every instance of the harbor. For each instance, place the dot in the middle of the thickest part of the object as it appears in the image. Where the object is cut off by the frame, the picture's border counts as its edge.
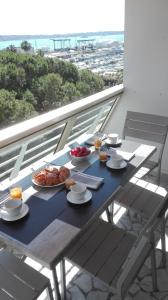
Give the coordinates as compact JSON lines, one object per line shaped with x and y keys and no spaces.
{"x":101,"y":53}
{"x":104,"y":57}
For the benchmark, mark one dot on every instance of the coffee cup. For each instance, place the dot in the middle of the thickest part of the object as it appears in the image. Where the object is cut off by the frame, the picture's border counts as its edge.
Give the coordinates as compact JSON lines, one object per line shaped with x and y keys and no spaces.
{"x":12,"y":207}
{"x":78,"y":191}
{"x":116,"y":161}
{"x":113,"y":138}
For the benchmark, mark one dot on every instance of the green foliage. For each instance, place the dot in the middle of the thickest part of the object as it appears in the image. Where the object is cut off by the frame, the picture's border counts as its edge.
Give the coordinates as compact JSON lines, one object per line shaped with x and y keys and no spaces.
{"x":95,"y":82}
{"x":29,"y":97}
{"x":84,"y":88}
{"x":12,"y":77}
{"x":25,"y":46}
{"x":13,"y":110}
{"x":11,"y":48}
{"x":67,"y":70}
{"x":70,"y":92}
{"x":48,"y":91}
{"x":32,"y":84}
{"x":23,"y":110}
{"x":114,"y":79}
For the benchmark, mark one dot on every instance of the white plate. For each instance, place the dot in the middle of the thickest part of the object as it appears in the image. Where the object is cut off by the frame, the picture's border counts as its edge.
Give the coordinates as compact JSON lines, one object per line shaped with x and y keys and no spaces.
{"x":48,"y":186}
{"x":87,"y":197}
{"x":23,"y":213}
{"x":108,"y":142}
{"x":122,"y":165}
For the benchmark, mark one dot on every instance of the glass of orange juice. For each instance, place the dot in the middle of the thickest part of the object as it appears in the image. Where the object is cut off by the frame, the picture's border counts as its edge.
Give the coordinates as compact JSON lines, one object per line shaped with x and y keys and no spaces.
{"x":98,"y":143}
{"x":16,"y":193}
{"x":102,"y":156}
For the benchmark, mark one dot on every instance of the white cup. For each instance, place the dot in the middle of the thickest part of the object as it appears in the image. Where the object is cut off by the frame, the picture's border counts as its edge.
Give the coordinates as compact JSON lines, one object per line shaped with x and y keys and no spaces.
{"x":78,"y":191}
{"x":113,"y":137}
{"x":116,"y":161}
{"x":12,"y":208}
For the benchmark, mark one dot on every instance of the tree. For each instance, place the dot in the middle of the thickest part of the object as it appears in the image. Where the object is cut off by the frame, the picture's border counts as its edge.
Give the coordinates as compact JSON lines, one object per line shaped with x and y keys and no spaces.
{"x":70,"y":92}
{"x":38,"y":84}
{"x":68,"y":71}
{"x":25,"y":45}
{"x":13,"y":110}
{"x":29,"y":97}
{"x":114,"y":79}
{"x":48,"y":90}
{"x":94,"y":81}
{"x":6,"y":106}
{"x":12,"y":77}
{"x":23,"y":110}
{"x":11,"y":48}
{"x":83,"y":88}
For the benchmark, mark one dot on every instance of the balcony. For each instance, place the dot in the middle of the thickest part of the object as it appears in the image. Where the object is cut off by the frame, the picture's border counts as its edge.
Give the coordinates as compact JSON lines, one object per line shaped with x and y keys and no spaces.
{"x":145,"y":90}
{"x":48,"y":136}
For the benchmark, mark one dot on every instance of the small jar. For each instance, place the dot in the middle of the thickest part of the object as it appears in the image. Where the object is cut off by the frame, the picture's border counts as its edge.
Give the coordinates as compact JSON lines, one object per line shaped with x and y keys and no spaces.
{"x":97,"y":144}
{"x":102,"y":156}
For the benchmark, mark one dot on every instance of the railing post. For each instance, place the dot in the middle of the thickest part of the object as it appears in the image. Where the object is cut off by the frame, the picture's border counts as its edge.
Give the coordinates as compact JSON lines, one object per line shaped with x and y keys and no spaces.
{"x":18,"y":162}
{"x":65,"y":134}
{"x":93,"y":127}
{"x":110,"y":113}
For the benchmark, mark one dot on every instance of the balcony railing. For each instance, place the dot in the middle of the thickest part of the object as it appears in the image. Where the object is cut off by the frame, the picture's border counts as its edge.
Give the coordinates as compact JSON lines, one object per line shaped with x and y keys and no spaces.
{"x":26,"y":142}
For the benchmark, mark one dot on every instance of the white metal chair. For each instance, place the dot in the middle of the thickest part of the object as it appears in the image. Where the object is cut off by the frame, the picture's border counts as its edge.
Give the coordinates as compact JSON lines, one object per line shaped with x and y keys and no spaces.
{"x":19,"y":281}
{"x":153,"y":128}
{"x":112,"y":255}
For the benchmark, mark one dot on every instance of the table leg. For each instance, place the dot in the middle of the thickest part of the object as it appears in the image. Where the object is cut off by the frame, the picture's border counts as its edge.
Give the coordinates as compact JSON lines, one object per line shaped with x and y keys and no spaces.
{"x":109,"y":213}
{"x":56,"y":285}
{"x":49,"y":292}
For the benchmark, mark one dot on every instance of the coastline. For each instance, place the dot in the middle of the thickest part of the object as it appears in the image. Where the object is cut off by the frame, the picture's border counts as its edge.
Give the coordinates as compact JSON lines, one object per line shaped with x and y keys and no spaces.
{"x":42,"y":36}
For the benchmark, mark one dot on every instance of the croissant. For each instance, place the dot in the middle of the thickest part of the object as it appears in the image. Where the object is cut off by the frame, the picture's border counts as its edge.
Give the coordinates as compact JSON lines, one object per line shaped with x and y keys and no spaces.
{"x":51,"y":176}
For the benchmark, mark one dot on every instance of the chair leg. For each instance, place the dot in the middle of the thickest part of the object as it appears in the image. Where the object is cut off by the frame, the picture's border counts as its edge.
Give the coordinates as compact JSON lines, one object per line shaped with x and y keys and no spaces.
{"x":153,"y":263}
{"x":56,"y":285}
{"x":163,"y":242}
{"x":49,"y":292}
{"x":158,"y":174}
{"x":109,"y":213}
{"x":63,"y":278}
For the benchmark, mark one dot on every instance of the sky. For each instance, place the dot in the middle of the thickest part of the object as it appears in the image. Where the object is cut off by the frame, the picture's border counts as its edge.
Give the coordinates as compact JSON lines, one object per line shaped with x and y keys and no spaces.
{"x":63,"y":16}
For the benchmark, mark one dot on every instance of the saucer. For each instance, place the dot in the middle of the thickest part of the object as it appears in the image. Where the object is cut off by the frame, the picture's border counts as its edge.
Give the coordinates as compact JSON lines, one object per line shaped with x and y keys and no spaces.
{"x":23,"y":212}
{"x":108,"y":142}
{"x":87,"y":197}
{"x":122,"y":165}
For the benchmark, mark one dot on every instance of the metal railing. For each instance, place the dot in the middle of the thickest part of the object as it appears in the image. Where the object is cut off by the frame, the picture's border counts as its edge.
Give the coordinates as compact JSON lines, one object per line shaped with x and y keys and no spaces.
{"x":29,"y":141}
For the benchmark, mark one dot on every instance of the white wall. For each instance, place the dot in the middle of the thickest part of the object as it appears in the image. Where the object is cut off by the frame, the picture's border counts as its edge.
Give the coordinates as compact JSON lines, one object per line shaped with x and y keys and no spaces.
{"x":146,"y":62}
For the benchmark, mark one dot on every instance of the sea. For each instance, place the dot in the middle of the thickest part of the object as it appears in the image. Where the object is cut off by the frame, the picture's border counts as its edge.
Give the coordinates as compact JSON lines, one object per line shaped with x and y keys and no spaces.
{"x":74,"y":41}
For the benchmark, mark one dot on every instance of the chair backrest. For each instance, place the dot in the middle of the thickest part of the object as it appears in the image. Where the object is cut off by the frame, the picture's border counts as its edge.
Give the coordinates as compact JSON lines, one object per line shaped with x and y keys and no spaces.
{"x":153,"y":128}
{"x":149,"y":127}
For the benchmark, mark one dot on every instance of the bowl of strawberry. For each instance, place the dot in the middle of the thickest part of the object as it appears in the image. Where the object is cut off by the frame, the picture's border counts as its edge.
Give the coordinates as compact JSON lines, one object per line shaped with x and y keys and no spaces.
{"x":80,"y":153}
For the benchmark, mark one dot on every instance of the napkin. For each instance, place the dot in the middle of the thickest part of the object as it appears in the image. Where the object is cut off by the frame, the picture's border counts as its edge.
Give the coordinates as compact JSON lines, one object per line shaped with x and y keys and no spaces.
{"x":92,"y":182}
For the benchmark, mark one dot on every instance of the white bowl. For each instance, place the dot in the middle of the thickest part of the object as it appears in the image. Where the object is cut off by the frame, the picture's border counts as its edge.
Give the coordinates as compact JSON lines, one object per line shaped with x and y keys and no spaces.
{"x":80,"y":158}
